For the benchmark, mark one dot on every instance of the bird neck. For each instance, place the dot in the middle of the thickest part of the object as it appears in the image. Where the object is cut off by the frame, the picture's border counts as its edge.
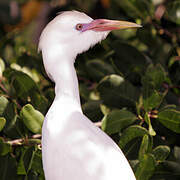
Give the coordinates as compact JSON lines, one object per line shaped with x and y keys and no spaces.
{"x":66,"y":82}
{"x":61,"y":69}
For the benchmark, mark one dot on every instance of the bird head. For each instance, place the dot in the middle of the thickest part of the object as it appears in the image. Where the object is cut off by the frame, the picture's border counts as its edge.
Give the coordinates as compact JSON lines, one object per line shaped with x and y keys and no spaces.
{"x":73,"y":32}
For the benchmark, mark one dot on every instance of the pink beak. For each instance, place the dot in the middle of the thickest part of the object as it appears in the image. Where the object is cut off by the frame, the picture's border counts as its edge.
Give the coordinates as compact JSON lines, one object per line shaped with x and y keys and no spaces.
{"x":108,"y":25}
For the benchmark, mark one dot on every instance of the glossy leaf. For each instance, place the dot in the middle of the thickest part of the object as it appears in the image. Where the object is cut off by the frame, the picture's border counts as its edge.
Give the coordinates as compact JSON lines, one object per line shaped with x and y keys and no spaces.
{"x":146,"y":167}
{"x":37,"y":163}
{"x":129,"y":61}
{"x":154,"y":76}
{"x":170,"y":118}
{"x":25,"y":162}
{"x":116,"y":120}
{"x":152,"y":82}
{"x":32,"y":118}
{"x":146,"y":146}
{"x":21,"y":82}
{"x":117,"y":92}
{"x":131,"y":133}
{"x":11,"y":117}
{"x":92,"y":110}
{"x":97,"y":69}
{"x":161,"y":153}
{"x":152,"y":101}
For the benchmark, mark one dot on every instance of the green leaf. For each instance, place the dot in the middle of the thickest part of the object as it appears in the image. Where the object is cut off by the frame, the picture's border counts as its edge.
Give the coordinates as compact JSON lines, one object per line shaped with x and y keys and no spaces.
{"x":10,"y":114}
{"x":37,"y":162}
{"x":28,"y":158}
{"x":146,"y":167}
{"x":21,"y":82}
{"x":25,"y":162}
{"x":161,"y":153}
{"x":104,"y":109}
{"x":116,"y":120}
{"x":152,"y":101}
{"x":32,"y":118}
{"x":152,"y":83}
{"x":39,"y":102}
{"x":129,"y":61}
{"x":131,"y":133}
{"x":2,"y":123}
{"x":154,"y":77}
{"x":170,"y":118}
{"x":97,"y":69}
{"x":8,"y":167}
{"x":3,"y":104}
{"x":5,"y":148}
{"x":92,"y":110}
{"x":116,"y":92}
{"x":173,"y":10}
{"x":20,"y":167}
{"x":146,"y":146}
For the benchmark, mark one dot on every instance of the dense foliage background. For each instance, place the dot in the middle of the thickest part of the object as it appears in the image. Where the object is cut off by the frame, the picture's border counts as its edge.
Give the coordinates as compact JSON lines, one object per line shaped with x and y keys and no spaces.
{"x":129,"y":84}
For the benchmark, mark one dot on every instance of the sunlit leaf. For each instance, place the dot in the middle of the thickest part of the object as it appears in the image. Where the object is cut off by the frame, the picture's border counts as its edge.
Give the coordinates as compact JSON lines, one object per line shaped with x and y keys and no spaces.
{"x":32,"y":118}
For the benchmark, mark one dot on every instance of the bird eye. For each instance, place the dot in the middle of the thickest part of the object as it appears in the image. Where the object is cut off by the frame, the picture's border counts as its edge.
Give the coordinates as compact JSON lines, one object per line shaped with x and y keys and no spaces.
{"x":79,"y":27}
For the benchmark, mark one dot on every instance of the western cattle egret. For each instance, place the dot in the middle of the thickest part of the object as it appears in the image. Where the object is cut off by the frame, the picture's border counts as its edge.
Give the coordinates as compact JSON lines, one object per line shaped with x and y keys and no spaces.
{"x":73,"y":148}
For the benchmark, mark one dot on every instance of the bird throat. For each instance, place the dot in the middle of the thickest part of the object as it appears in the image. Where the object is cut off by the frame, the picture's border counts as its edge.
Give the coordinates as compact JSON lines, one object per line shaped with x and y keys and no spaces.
{"x":63,"y":73}
{"x":66,"y":84}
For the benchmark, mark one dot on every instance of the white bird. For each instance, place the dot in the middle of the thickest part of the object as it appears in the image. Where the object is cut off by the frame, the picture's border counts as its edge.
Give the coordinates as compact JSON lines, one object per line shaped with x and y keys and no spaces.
{"x":73,"y":148}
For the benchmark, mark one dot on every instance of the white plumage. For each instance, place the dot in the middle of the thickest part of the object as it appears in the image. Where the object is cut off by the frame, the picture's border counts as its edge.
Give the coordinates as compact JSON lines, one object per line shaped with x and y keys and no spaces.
{"x":72,"y":147}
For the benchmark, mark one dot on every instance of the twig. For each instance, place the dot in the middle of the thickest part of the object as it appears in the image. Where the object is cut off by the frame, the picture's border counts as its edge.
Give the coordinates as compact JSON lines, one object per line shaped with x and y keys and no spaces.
{"x":20,"y":141}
